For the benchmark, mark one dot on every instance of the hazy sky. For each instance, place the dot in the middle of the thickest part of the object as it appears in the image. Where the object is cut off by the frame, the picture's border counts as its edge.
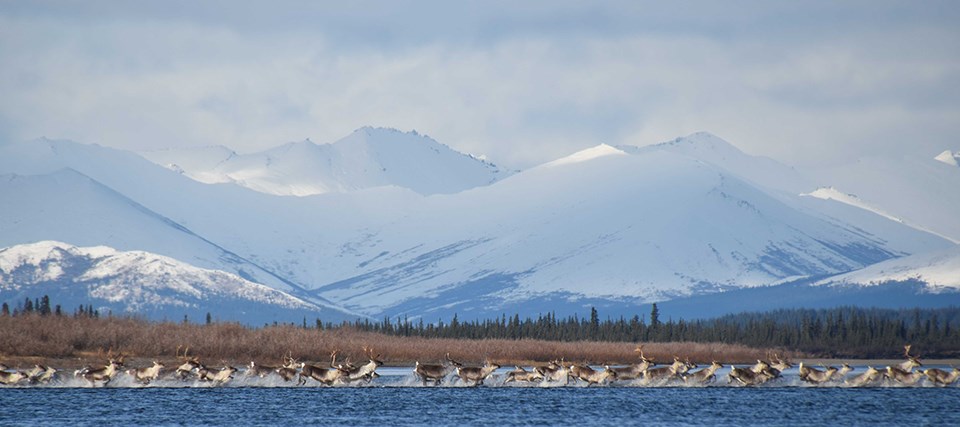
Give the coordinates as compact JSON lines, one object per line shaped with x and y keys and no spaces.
{"x":521,"y":82}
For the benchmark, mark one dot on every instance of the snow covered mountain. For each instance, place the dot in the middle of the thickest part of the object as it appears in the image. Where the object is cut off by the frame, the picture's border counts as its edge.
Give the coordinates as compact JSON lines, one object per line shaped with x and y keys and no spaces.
{"x":69,"y":206}
{"x":144,"y":284}
{"x":938,"y":271}
{"x":369,"y":157}
{"x":605,"y":227}
{"x":949,"y":158}
{"x":920,"y":191}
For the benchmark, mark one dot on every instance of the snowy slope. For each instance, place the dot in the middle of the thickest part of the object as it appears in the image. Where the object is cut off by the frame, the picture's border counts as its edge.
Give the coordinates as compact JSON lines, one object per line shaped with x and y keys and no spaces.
{"x":69,"y":206}
{"x":760,"y":171}
{"x":949,"y":158}
{"x":600,"y":224}
{"x":921,"y":191}
{"x":142,"y":283}
{"x":199,"y":163}
{"x":369,"y":157}
{"x":938,"y":270}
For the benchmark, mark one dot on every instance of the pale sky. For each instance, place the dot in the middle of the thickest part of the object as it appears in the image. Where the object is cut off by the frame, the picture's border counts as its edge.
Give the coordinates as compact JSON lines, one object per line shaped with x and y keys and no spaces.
{"x":808,"y":83}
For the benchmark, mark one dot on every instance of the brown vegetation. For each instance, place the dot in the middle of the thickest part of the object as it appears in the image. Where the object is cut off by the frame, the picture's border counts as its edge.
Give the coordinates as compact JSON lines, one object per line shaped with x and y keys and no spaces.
{"x":85,"y":339}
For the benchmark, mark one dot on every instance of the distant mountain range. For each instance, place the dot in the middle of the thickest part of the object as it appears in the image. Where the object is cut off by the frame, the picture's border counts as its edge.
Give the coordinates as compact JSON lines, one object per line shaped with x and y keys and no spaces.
{"x":390,"y":223}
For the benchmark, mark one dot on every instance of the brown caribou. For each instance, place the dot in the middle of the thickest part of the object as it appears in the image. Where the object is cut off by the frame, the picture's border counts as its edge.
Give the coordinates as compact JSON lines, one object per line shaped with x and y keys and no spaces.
{"x":940,"y":377}
{"x":592,"y":376}
{"x":748,"y":376}
{"x":435,"y":373}
{"x":636,"y":370}
{"x":476,"y":374}
{"x":816,"y":376}
{"x":216,"y":376}
{"x":903,"y":377}
{"x":326,"y":376}
{"x":8,"y":378}
{"x":187,"y":364}
{"x":911,"y":362}
{"x":669,"y":372}
{"x":145,"y":375}
{"x":105,"y":373}
{"x":868,"y":377}
{"x":703,"y":376}
{"x":41,"y":374}
{"x":367,"y":371}
{"x":522,"y":375}
{"x":553,"y":371}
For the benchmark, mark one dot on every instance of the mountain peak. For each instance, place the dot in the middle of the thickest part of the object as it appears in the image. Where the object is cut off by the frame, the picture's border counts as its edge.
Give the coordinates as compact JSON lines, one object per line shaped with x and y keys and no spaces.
{"x":602,"y":150}
{"x":949,"y":157}
{"x":702,"y":141}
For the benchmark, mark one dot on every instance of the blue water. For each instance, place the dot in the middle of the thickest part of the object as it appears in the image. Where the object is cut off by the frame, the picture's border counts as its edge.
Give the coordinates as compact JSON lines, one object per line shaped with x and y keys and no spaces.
{"x":397,"y":399}
{"x":501,"y":406}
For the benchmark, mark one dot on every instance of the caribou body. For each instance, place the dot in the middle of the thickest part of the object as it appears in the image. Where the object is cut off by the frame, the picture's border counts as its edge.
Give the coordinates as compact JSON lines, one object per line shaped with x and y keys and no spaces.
{"x":748,"y":376}
{"x":41,"y":374}
{"x":816,"y":376}
{"x":216,"y":376}
{"x":8,"y":378}
{"x":592,"y":376}
{"x":941,"y":377}
{"x":868,"y":377}
{"x":145,"y":375}
{"x":703,"y":376}
{"x":667,"y":373}
{"x":436,"y":373}
{"x":104,"y":374}
{"x":365,"y":372}
{"x":476,"y":374}
{"x":903,"y":377}
{"x":522,"y":375}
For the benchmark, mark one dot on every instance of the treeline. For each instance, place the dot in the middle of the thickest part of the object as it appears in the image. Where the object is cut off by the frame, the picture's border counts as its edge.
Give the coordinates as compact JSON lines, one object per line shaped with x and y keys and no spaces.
{"x":836,"y":332}
{"x":42,"y":307}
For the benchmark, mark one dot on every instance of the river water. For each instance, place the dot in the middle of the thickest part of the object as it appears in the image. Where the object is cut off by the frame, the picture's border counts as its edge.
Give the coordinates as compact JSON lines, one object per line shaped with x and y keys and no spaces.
{"x":396,"y":399}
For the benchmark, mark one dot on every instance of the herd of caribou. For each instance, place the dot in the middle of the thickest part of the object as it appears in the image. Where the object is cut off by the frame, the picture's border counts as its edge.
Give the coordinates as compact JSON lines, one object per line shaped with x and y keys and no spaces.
{"x":644,"y":372}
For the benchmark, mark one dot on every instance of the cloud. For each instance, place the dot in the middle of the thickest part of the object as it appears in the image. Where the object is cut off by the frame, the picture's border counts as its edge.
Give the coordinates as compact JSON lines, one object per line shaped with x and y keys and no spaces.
{"x":811,"y":83}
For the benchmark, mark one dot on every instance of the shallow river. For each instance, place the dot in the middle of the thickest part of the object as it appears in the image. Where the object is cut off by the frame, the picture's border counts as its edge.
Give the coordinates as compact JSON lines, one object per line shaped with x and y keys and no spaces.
{"x":396,"y":399}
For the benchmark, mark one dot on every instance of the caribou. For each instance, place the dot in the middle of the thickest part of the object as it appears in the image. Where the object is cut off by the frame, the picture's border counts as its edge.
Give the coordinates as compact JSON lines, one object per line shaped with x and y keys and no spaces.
{"x":145,"y":375}
{"x":592,"y":376}
{"x":868,"y":377}
{"x":435,"y":373}
{"x":367,"y":371}
{"x":636,"y":370}
{"x":8,"y":378}
{"x":666,"y":373}
{"x":187,"y":364}
{"x":816,"y":376}
{"x":941,"y":377}
{"x":903,"y":377}
{"x":553,"y":371}
{"x":291,"y":367}
{"x":703,"y":376}
{"x":911,"y":362}
{"x":779,"y":364}
{"x":748,"y":376}
{"x":326,"y":376}
{"x":519,"y":374}
{"x":476,"y":374}
{"x":41,"y":374}
{"x":216,"y":376}
{"x":768,"y":371}
{"x":104,"y":374}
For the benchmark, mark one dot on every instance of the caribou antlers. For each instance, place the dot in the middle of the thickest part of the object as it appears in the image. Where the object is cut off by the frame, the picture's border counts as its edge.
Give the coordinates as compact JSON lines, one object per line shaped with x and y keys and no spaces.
{"x":454,"y":362}
{"x":639,"y":349}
